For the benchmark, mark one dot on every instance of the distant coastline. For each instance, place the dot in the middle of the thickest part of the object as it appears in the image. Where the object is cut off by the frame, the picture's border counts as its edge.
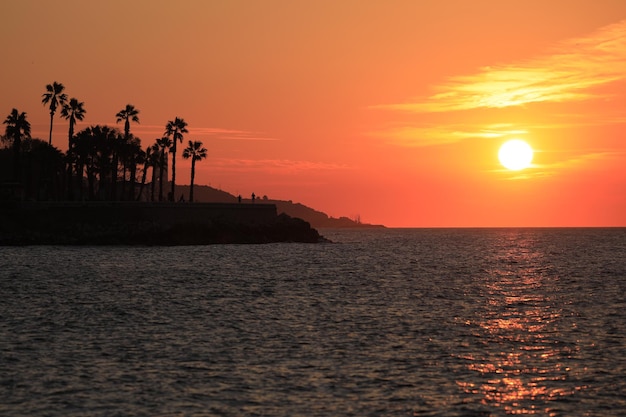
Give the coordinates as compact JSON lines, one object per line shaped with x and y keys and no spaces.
{"x":317,"y":219}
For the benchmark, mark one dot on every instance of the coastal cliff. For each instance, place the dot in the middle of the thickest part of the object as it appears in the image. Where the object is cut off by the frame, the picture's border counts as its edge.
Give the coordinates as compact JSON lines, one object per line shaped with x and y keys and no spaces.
{"x":134,"y":223}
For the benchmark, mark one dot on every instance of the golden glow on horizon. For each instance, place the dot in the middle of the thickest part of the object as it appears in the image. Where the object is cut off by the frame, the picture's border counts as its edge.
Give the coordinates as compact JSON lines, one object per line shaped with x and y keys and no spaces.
{"x":354,"y":107}
{"x":515,"y":155}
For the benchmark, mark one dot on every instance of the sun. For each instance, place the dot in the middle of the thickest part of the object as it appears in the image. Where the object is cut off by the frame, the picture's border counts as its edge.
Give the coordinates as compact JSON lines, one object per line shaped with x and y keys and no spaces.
{"x":515,"y":154}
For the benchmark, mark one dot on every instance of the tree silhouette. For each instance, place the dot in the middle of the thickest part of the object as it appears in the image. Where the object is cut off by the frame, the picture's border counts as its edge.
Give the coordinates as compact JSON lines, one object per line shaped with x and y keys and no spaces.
{"x":132,"y":155}
{"x":175,"y":129}
{"x":196,"y":152}
{"x":72,"y":111}
{"x":82,"y":153}
{"x":96,"y":148}
{"x":154,"y":159}
{"x":17,"y":128}
{"x":54,"y":97}
{"x":164,"y":144}
{"x":42,"y":170}
{"x":145,"y":158}
{"x":127,"y":114}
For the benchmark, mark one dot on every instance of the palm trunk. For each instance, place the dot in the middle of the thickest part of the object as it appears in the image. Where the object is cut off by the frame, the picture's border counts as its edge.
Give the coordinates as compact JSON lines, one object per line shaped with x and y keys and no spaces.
{"x":133,"y":175}
{"x":105,"y":182}
{"x":193,"y":175}
{"x":114,"y":177}
{"x":79,"y":176}
{"x":143,"y":181}
{"x":124,"y":169}
{"x":91,"y":179}
{"x":51,"y":120}
{"x":69,"y":170}
{"x":17,"y":169}
{"x":70,"y":165}
{"x":161,"y":176}
{"x":153,"y":182}
{"x":173,"y":196}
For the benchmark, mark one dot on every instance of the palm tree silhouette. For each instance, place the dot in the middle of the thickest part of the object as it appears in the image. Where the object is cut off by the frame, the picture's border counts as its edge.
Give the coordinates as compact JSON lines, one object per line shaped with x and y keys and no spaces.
{"x":132,"y":156}
{"x":144,"y":157}
{"x":154,"y":163}
{"x":83,"y":153}
{"x":72,"y":111}
{"x":196,"y":152}
{"x":163,"y":145}
{"x":175,"y":128}
{"x":128,"y":114}
{"x":54,"y":97}
{"x":95,"y":149}
{"x":17,"y":128}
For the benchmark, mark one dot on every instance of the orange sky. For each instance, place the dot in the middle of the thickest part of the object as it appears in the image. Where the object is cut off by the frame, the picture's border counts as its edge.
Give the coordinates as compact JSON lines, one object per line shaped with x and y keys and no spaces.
{"x":390,"y":110}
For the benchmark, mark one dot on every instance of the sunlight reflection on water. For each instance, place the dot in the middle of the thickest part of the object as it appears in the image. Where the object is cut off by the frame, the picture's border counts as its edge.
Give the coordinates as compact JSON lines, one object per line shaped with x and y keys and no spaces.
{"x":521,"y":355}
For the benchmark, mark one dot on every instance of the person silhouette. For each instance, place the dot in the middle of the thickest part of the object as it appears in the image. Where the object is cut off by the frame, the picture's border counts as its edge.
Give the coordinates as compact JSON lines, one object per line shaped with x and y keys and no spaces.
{"x":239,"y":198}
{"x":253,"y":197}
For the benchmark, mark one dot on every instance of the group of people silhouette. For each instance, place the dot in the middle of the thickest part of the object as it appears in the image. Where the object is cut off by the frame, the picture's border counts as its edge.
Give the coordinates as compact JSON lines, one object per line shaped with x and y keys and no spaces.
{"x":253,"y":197}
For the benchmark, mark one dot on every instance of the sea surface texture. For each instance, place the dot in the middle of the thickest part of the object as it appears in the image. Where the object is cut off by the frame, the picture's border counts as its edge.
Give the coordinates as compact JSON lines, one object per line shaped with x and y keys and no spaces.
{"x":394,"y":322}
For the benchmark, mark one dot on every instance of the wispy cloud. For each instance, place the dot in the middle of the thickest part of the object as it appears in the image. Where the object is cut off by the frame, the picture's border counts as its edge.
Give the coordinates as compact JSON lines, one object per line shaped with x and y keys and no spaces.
{"x":197,"y":133}
{"x":273,"y":165}
{"x":569,"y":72}
{"x":230,"y":134}
{"x":429,"y":135}
{"x":542,"y":170}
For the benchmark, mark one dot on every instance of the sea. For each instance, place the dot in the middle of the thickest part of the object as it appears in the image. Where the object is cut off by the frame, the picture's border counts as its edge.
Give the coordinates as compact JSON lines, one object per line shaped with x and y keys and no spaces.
{"x":380,"y":322}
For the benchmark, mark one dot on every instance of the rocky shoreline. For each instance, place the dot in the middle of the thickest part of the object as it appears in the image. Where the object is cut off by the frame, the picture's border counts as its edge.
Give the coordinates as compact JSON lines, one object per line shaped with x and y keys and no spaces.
{"x":149,"y":224}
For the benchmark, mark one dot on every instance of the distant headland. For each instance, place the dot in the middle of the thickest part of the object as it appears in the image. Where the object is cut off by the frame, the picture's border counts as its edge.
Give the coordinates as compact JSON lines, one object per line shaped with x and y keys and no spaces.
{"x":107,"y":189}
{"x":317,"y":219}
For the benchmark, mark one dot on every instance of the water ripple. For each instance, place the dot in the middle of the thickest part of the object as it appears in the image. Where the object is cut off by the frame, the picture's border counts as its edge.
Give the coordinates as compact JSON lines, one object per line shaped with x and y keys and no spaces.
{"x":382,"y":323}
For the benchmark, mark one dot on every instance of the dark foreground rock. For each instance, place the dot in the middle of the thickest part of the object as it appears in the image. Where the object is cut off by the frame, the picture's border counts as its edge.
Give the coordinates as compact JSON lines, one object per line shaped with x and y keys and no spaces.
{"x":133,"y":224}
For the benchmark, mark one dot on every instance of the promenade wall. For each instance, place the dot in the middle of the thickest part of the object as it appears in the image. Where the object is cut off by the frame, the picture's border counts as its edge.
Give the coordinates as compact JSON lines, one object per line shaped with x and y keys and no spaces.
{"x":165,"y":214}
{"x":140,"y":223}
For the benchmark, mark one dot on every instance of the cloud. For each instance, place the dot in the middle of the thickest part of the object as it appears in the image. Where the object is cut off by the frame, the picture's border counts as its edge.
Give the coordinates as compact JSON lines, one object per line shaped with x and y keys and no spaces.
{"x":273,"y":165}
{"x":568,"y":73}
{"x":574,"y":160}
{"x":575,"y":70}
{"x":230,"y":134}
{"x":430,"y":135}
{"x":156,"y":131}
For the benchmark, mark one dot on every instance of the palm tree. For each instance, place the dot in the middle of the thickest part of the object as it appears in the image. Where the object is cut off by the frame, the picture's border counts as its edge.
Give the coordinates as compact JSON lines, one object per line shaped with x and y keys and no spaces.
{"x":83,"y":153}
{"x":175,"y":128}
{"x":95,"y":149}
{"x":72,"y":111}
{"x":146,"y":158}
{"x":196,"y":152}
{"x":54,"y":97}
{"x":17,"y":128}
{"x":163,"y":145}
{"x":128,"y":114}
{"x":154,"y":163}
{"x":133,"y":155}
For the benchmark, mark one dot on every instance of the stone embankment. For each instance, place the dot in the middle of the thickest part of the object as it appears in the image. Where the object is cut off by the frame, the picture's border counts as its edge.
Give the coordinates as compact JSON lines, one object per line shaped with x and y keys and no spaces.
{"x":136,"y":223}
